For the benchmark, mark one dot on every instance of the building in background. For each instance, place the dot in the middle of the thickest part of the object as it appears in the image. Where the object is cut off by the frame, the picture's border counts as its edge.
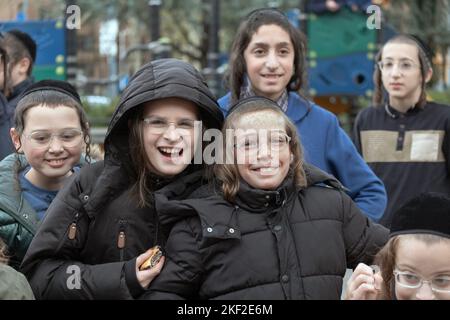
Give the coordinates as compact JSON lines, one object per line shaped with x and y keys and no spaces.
{"x":91,"y":65}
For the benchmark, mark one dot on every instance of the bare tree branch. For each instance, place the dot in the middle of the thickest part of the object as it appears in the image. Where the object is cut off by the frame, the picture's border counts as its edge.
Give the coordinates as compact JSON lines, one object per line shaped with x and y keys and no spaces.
{"x":187,"y":53}
{"x":182,"y":29}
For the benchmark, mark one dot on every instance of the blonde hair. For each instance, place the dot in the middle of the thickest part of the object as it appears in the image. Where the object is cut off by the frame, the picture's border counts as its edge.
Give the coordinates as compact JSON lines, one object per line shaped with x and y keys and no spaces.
{"x":228,"y":174}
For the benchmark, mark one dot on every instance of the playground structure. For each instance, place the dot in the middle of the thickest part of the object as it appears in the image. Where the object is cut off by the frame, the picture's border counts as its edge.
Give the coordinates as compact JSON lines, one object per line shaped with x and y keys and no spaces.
{"x":50,"y":37}
{"x":341,"y":58}
{"x":341,"y":53}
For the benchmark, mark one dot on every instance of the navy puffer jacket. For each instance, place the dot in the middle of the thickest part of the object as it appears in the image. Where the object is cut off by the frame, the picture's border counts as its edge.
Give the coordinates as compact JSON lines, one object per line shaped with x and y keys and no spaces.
{"x":285,"y":244}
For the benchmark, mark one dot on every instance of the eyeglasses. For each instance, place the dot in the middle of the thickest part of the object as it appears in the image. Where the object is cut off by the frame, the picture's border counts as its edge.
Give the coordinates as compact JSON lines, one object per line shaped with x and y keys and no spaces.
{"x":68,"y":138}
{"x":251,"y":143}
{"x":160,"y":125}
{"x":404,"y":66}
{"x":409,"y":280}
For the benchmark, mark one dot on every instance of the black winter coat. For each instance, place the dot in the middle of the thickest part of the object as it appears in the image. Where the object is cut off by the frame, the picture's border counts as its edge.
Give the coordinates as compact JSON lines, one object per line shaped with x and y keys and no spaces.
{"x":7,"y":109}
{"x":285,"y":244}
{"x":93,"y":223}
{"x":6,"y":123}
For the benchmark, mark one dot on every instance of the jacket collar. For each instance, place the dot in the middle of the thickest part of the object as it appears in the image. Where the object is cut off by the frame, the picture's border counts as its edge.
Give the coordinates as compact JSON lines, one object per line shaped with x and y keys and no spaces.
{"x":259,"y":201}
{"x":247,"y":91}
{"x":298,"y":107}
{"x":19,"y":88}
{"x":395,"y":114}
{"x":256,"y":200}
{"x":167,"y":199}
{"x":222,"y":222}
{"x":13,"y":201}
{"x":113,"y":180}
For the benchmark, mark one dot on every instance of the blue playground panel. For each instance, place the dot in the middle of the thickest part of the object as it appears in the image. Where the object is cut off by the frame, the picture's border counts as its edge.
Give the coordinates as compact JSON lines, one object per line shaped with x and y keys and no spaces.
{"x":293,"y":17}
{"x":345,"y":75}
{"x":50,"y":38}
{"x":339,"y":34}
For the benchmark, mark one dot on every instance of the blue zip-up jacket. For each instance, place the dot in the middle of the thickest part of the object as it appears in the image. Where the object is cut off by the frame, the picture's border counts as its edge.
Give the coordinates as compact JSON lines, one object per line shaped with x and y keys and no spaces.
{"x":327,"y":146}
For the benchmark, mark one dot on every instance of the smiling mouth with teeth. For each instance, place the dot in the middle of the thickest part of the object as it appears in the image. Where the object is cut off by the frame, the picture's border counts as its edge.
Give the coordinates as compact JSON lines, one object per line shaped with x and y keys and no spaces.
{"x":266,"y":170}
{"x":56,"y":160}
{"x":170,"y":152}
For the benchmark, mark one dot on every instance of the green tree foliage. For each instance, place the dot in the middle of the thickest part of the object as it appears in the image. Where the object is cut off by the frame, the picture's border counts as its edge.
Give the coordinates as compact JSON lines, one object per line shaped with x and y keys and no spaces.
{"x":185,"y":22}
{"x":427,"y":19}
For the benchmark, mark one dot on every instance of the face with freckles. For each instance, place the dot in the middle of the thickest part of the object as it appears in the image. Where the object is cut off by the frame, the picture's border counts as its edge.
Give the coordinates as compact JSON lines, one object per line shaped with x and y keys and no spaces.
{"x":263,"y":153}
{"x":50,"y":162}
{"x":169,"y":135}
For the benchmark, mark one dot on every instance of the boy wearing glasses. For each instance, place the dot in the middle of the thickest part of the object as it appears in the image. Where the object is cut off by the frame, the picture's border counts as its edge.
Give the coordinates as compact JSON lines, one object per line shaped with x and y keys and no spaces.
{"x":415,"y":262}
{"x":405,"y":138}
{"x":50,"y":132}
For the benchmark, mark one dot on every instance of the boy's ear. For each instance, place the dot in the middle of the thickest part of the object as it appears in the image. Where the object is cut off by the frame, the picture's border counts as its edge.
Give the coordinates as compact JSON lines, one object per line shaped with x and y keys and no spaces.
{"x":15,"y":137}
{"x":24,"y":65}
{"x":429,"y":75}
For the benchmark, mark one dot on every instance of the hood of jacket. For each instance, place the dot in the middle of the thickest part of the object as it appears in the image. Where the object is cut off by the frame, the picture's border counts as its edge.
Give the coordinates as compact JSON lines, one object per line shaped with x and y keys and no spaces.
{"x":9,"y":186}
{"x":13,"y":203}
{"x":159,"y":79}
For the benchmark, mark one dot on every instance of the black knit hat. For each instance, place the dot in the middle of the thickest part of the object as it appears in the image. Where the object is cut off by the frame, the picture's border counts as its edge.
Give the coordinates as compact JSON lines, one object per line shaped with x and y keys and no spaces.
{"x":425,"y":47}
{"x":27,"y":41}
{"x":427,"y":213}
{"x":55,"y":85}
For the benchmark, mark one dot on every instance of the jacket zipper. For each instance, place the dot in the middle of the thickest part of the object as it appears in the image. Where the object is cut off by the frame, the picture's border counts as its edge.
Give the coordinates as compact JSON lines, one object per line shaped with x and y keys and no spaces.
{"x":121,"y":239}
{"x":72,"y":232}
